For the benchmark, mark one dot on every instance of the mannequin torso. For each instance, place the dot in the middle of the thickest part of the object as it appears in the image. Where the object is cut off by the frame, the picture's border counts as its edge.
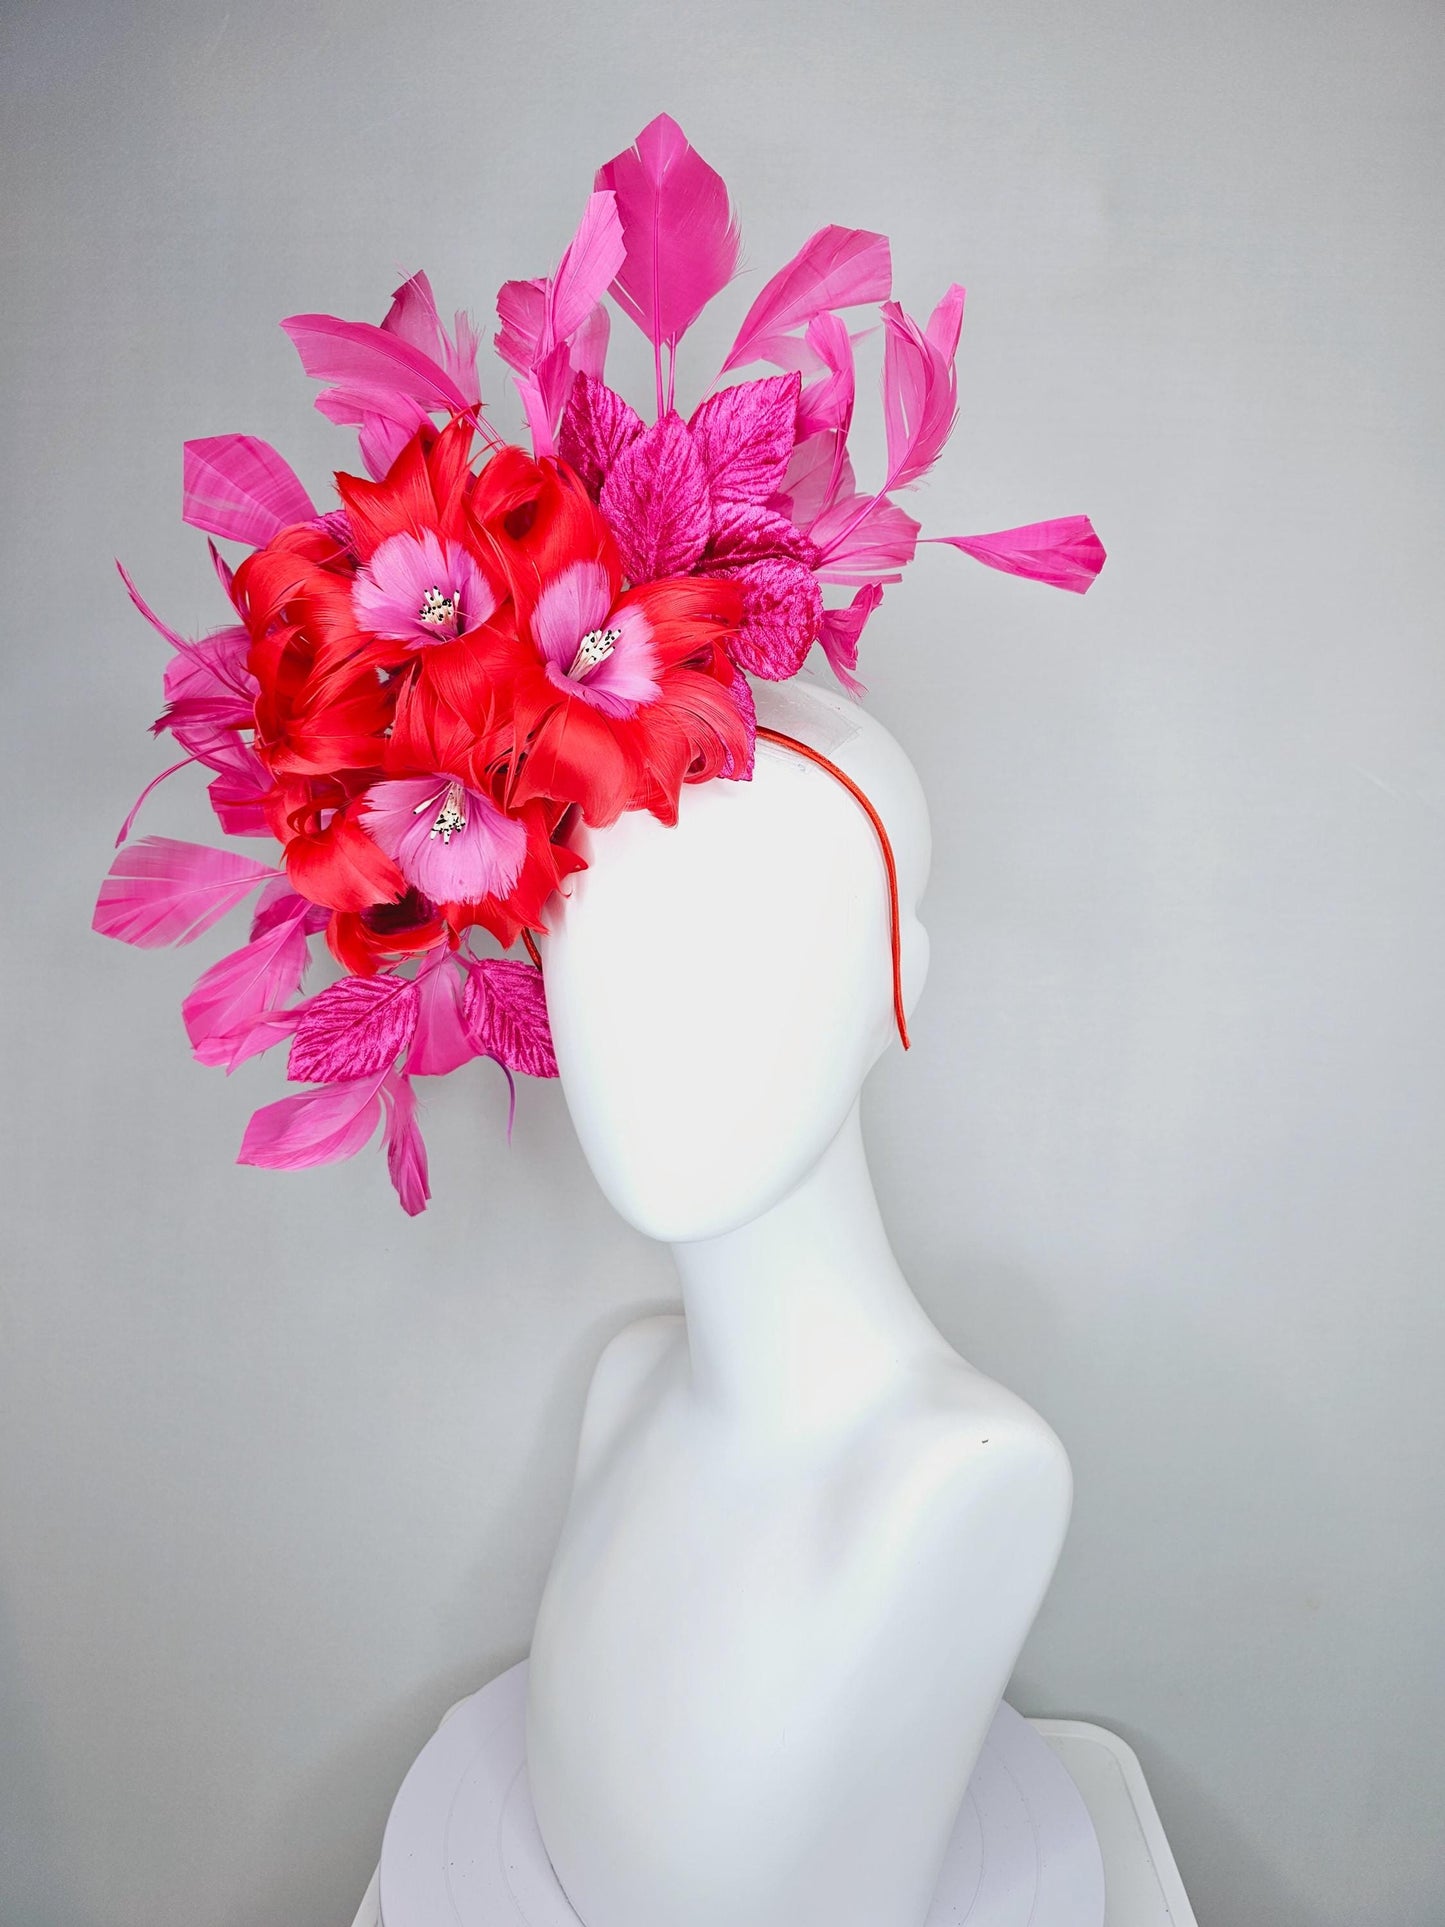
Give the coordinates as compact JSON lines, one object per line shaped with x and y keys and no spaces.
{"x":806,"y":1540}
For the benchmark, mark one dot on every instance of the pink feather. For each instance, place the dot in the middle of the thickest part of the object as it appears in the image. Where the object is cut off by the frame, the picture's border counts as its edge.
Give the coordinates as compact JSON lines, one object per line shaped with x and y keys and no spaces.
{"x":357,"y":356}
{"x":314,"y":1127}
{"x":841,"y":629}
{"x":679,"y":230}
{"x":920,"y":398}
{"x":838,"y":268}
{"x":238,"y":796}
{"x":236,"y":486}
{"x":864,"y":539}
{"x":441,"y":1041}
{"x":353,"y":1028}
{"x":1067,"y":554}
{"x":160,"y":891}
{"x":250,"y":983}
{"x":176,"y":640}
{"x":405,"y":1150}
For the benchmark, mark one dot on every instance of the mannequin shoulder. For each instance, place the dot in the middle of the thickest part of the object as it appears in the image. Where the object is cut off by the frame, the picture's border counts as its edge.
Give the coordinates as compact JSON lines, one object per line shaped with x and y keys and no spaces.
{"x":630,"y":1362}
{"x":967,"y":1442}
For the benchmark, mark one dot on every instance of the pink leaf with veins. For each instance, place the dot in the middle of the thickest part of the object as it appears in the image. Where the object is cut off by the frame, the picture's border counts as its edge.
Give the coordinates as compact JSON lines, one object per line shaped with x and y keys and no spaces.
{"x":597,"y":425}
{"x":745,"y":437}
{"x":680,"y":236}
{"x":782,"y":614}
{"x":237,"y":486}
{"x":248,"y":984}
{"x":405,"y":1151}
{"x":160,"y":891}
{"x":314,"y":1127}
{"x":355,"y":1027}
{"x":656,"y":502}
{"x":838,"y":268}
{"x":506,"y":1011}
{"x":744,"y":533}
{"x":1067,"y":554}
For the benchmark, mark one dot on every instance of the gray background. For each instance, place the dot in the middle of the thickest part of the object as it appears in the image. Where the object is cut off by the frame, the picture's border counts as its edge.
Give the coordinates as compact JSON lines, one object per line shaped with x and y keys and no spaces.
{"x":279,"y":1470}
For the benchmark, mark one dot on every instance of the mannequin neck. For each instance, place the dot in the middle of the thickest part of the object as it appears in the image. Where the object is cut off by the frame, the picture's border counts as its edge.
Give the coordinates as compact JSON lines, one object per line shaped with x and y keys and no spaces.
{"x":800,"y":1321}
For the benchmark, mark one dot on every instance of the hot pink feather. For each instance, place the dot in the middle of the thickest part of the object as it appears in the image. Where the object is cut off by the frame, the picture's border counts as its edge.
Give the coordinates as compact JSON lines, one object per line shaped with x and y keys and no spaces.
{"x":249,"y":983}
{"x":405,"y":1149}
{"x":678,"y":227}
{"x":160,"y":891}
{"x":1067,"y":554}
{"x":839,"y":267}
{"x":314,"y":1127}
{"x":237,"y":486}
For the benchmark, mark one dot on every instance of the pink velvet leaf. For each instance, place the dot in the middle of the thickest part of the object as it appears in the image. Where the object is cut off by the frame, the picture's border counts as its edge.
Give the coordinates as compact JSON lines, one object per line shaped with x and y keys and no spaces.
{"x":405,"y":1150}
{"x":864,"y":539}
{"x":160,"y":891}
{"x":249,"y":983}
{"x":506,"y":1012}
{"x":920,"y":399}
{"x":745,"y":437}
{"x":441,"y":1041}
{"x":838,"y":268}
{"x":841,"y":629}
{"x":353,"y":1028}
{"x":742,"y":532}
{"x":237,"y":486}
{"x":314,"y":1127}
{"x":1067,"y":554}
{"x":678,"y":229}
{"x":782,"y":614}
{"x":656,"y":502}
{"x":597,"y":425}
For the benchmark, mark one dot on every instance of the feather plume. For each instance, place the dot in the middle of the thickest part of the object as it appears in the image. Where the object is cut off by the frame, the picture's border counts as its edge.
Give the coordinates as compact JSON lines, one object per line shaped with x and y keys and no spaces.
{"x":160,"y":891}
{"x":250,"y":983}
{"x":314,"y":1127}
{"x":920,"y":393}
{"x":405,"y":1149}
{"x":839,"y":267}
{"x":237,"y":486}
{"x":1067,"y":554}
{"x":678,"y":228}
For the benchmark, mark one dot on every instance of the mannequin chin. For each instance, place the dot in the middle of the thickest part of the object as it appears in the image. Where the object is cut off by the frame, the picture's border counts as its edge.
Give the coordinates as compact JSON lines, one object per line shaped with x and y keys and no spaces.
{"x":719,"y":989}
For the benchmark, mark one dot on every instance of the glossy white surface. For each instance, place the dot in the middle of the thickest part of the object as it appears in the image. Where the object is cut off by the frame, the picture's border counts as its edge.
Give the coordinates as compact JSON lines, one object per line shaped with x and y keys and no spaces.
{"x":462,"y":1847}
{"x":806,"y":1540}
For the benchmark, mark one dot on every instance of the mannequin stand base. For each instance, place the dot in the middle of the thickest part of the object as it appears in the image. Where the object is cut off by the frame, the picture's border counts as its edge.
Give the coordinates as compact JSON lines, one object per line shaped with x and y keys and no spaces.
{"x":462,"y":1847}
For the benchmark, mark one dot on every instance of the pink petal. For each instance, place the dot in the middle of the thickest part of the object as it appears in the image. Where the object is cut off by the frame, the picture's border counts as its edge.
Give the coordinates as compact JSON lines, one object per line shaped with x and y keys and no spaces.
{"x":597,"y":425}
{"x":353,"y":1028}
{"x":745,"y":437}
{"x":247,"y":984}
{"x":160,"y":891}
{"x":657,"y":504}
{"x":841,"y":629}
{"x":1067,"y":554}
{"x":314,"y":1127}
{"x":782,"y":614}
{"x":237,"y":486}
{"x":405,"y":1151}
{"x":506,"y":1008}
{"x":838,"y":268}
{"x":441,"y":1041}
{"x":680,"y":235}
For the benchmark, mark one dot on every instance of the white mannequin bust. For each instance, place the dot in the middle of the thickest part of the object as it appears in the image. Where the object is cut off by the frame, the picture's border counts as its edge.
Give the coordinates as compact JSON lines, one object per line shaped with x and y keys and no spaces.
{"x":806,"y":1540}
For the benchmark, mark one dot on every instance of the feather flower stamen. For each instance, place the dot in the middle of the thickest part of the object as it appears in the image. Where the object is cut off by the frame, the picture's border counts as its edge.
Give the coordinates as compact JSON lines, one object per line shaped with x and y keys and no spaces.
{"x":595,"y":647}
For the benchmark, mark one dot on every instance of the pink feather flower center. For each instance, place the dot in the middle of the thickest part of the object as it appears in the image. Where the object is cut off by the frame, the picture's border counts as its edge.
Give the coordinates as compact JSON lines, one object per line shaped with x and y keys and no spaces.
{"x":603,"y":655}
{"x":421,"y":591}
{"x":448,"y":840}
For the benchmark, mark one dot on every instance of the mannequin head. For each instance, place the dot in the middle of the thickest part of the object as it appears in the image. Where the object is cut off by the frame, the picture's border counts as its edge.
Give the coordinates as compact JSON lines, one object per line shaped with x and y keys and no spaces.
{"x":719,"y":990}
